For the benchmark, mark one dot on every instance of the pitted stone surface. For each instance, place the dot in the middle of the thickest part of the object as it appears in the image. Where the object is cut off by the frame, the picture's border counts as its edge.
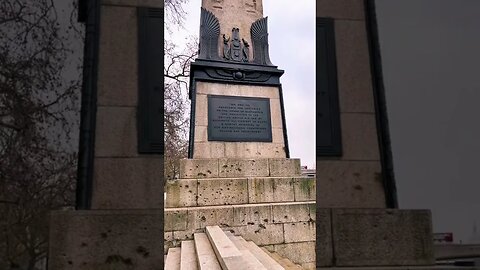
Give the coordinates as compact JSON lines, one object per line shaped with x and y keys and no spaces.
{"x":198,"y":168}
{"x":299,"y":231}
{"x":375,"y":237}
{"x":302,"y":252}
{"x":252,"y":214}
{"x":291,"y":212}
{"x":278,"y":189}
{"x":90,"y":239}
{"x":200,"y":217}
{"x":305,"y":189}
{"x":181,"y":193}
{"x":234,"y":191}
{"x":261,"y":234}
{"x":324,"y":238}
{"x":176,"y":220}
{"x":243,"y":167}
{"x":284,"y":167}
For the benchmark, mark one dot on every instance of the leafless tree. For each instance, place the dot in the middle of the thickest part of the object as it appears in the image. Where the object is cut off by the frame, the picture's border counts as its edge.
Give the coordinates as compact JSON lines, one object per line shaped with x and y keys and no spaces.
{"x":38,"y":113}
{"x":177,"y":106}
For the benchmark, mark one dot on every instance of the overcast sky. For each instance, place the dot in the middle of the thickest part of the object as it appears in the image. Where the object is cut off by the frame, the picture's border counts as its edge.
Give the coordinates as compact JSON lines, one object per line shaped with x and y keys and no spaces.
{"x":292,"y":48}
{"x":431,"y":58}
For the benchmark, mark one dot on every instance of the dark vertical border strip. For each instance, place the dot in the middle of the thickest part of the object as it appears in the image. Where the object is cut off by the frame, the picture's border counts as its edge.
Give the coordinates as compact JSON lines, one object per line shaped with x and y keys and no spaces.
{"x":193,"y":97}
{"x":380,"y":105}
{"x":88,"y":111}
{"x":282,"y":109}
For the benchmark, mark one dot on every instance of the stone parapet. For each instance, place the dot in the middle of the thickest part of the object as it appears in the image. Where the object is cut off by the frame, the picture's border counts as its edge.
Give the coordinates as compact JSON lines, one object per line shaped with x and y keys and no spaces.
{"x":374,"y":237}
{"x":234,"y":167}
{"x":235,"y":191}
{"x":105,"y":239}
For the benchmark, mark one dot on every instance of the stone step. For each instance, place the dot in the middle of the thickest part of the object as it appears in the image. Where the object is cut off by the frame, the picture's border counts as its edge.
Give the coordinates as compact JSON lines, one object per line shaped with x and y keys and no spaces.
{"x":284,"y":262}
{"x":228,"y":255}
{"x":250,"y":259}
{"x":173,"y":259}
{"x":188,"y":258}
{"x":262,"y":256}
{"x":231,"y":167}
{"x":238,"y":190}
{"x":206,"y":257}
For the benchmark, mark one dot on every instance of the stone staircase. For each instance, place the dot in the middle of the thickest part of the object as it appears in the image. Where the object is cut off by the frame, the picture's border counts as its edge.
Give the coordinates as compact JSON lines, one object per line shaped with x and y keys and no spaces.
{"x":217,"y":249}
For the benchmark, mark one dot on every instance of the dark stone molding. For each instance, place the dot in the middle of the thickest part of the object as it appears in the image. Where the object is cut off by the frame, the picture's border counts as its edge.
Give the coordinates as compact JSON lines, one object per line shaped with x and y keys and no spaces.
{"x":233,"y":73}
{"x":259,"y":32}
{"x":381,"y":114}
{"x":228,"y":72}
{"x":209,"y":35}
{"x":88,"y":112}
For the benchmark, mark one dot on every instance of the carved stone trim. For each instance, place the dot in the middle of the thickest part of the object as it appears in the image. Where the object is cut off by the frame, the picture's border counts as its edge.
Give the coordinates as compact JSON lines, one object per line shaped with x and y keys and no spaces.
{"x":209,"y":34}
{"x":259,"y":34}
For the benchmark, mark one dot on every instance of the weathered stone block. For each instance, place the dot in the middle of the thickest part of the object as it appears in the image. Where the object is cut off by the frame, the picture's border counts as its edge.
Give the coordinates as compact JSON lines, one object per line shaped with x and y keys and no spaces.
{"x":200,"y":217}
{"x":305,"y":189}
{"x":175,"y":219}
{"x":381,"y":237}
{"x":350,"y":184}
{"x":268,"y":189}
{"x":230,"y":167}
{"x":252,"y":214}
{"x":359,"y":136}
{"x":261,"y":234}
{"x":198,"y":168}
{"x":128,"y":183}
{"x":116,"y":133}
{"x":201,"y":134}
{"x":201,"y":110}
{"x":118,"y":57}
{"x":222,"y":192}
{"x":291,"y":212}
{"x":302,"y":252}
{"x":284,"y":167}
{"x":209,"y":150}
{"x":353,"y":65}
{"x":324,"y":251}
{"x":101,"y":239}
{"x":341,"y":9}
{"x":182,"y":192}
{"x":299,"y":231}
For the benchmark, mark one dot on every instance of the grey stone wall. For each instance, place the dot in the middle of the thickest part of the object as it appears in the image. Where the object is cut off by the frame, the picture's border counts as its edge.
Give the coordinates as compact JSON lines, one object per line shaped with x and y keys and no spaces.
{"x":355,"y":179}
{"x":122,"y":177}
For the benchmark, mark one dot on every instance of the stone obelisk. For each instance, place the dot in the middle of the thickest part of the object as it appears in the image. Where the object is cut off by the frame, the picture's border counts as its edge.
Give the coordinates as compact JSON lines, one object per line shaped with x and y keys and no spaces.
{"x":239,"y":174}
{"x":237,"y":106}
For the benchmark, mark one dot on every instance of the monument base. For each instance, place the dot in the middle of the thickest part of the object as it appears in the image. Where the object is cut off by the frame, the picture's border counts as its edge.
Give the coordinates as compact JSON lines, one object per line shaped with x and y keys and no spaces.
{"x":106,"y":239}
{"x":266,"y":201}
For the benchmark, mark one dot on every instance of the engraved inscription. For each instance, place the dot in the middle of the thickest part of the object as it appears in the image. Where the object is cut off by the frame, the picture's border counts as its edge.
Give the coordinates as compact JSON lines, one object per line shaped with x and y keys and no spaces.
{"x":239,"y":119}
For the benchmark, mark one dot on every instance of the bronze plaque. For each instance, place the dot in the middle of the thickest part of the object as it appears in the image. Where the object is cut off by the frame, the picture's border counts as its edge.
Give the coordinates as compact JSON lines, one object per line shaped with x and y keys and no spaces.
{"x":239,"y":119}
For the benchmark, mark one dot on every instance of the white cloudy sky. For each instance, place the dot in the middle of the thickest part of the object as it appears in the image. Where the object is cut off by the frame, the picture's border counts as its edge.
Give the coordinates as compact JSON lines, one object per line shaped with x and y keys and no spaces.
{"x":292,"y":49}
